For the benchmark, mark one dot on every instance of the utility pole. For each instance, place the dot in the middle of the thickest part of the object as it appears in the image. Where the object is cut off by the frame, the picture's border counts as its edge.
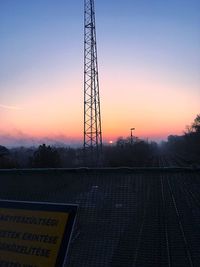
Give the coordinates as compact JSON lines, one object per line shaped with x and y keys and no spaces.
{"x":92,"y":113}
{"x":132,"y":129}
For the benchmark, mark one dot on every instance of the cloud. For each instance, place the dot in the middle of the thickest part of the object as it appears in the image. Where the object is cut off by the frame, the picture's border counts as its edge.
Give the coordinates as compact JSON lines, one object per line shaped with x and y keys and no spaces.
{"x":10,"y":107}
{"x":18,"y":139}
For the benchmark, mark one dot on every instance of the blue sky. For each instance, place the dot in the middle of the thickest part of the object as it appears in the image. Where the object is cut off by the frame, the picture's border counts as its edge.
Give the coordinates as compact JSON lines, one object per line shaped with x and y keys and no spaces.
{"x":147,"y":50}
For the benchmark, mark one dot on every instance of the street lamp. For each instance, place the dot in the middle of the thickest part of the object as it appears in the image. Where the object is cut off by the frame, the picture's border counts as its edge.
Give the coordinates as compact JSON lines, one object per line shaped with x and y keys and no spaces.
{"x":132,"y":129}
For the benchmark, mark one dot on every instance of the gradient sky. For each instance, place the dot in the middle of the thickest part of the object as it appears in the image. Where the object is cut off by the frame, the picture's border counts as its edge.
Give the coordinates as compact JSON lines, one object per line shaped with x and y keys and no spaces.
{"x":149,"y":62}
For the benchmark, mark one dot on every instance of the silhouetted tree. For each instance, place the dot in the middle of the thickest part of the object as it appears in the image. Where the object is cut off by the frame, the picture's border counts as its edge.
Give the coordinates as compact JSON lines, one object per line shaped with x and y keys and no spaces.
{"x":187,"y":145}
{"x":126,"y":153}
{"x":6,"y":161}
{"x":46,"y":157}
{"x":3,"y":151}
{"x":196,"y":124}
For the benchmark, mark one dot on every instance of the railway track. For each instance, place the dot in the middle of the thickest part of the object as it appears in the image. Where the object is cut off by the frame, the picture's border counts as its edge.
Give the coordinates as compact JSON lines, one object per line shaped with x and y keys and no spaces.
{"x":129,"y":219}
{"x":188,"y":255}
{"x":169,"y":160}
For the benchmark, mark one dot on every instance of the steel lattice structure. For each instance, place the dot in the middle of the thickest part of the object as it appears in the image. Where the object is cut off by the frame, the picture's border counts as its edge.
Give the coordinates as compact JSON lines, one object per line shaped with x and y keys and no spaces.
{"x":92,"y":114}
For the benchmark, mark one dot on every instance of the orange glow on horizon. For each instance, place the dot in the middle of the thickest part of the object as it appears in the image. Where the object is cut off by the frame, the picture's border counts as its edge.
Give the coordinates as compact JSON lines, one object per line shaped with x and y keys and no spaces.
{"x":154,"y":110}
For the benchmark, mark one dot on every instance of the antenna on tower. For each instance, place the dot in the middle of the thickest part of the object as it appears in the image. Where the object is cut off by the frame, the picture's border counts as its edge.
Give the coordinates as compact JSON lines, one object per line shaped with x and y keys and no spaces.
{"x":92,"y":113}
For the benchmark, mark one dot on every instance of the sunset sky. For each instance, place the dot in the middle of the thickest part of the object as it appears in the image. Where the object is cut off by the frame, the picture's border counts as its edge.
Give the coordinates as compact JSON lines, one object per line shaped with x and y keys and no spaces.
{"x":149,"y":66}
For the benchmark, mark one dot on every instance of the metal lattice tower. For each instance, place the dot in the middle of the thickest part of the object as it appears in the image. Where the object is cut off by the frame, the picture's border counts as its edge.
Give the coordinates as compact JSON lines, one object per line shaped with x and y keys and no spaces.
{"x":92,"y":114}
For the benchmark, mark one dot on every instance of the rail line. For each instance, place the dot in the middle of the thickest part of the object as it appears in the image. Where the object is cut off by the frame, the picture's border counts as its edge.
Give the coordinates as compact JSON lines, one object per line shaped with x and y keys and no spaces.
{"x":165,"y":223}
{"x":126,"y":217}
{"x":181,"y":227}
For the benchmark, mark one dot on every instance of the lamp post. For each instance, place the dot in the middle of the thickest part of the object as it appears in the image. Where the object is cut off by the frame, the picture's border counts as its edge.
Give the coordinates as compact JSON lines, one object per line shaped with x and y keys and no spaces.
{"x":132,"y":129}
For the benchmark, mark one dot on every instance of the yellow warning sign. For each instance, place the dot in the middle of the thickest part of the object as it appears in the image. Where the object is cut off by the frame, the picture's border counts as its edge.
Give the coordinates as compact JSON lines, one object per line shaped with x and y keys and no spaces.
{"x":31,"y":238}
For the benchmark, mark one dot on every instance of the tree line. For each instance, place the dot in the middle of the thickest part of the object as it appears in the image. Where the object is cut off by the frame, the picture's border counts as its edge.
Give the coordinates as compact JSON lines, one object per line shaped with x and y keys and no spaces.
{"x":188,"y":144}
{"x":125,"y":152}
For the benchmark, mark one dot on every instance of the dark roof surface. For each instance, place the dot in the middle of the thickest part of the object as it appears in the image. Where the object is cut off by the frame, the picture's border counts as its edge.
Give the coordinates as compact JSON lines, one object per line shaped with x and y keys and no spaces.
{"x":125,"y":219}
